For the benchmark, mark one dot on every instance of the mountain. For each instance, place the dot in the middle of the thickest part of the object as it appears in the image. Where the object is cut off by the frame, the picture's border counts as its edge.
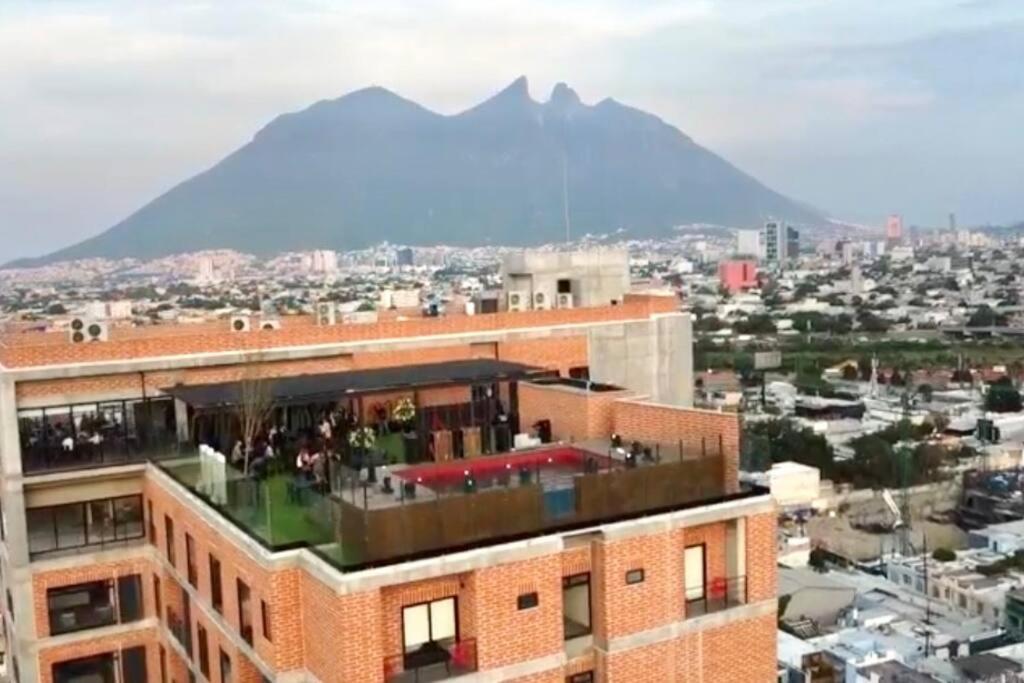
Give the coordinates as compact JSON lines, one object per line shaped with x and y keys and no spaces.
{"x":373,"y":166}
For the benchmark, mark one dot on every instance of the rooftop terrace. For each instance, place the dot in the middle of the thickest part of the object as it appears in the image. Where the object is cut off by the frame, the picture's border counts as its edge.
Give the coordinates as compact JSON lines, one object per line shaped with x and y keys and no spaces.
{"x":436,"y":508}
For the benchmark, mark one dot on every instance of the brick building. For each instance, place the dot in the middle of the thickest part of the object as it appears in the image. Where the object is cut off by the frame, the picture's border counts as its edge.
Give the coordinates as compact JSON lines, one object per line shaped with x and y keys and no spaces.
{"x":737,"y":274}
{"x":617,"y":546}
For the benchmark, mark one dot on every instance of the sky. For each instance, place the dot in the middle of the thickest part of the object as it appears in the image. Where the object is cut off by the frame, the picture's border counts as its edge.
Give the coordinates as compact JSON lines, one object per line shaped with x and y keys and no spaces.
{"x":859,"y":108}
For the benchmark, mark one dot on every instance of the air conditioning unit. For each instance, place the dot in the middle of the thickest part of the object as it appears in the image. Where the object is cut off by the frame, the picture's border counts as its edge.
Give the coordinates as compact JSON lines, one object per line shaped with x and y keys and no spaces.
{"x":565,"y":300}
{"x":240,"y":323}
{"x":270,"y":325}
{"x":518,"y":301}
{"x":325,"y":313}
{"x":88,"y":331}
{"x":541,"y":302}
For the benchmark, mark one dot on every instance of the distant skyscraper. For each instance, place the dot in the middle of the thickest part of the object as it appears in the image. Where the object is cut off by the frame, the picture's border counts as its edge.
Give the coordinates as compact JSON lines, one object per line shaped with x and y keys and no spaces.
{"x":324,"y":261}
{"x":404,"y":256}
{"x":748,"y":243}
{"x":779,"y":242}
{"x":205,"y":267}
{"x":894,"y":228}
{"x":952,"y":222}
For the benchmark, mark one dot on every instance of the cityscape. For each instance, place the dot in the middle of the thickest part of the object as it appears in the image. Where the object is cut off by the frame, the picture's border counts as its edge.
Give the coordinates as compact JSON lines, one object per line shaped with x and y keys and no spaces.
{"x":476,"y":377}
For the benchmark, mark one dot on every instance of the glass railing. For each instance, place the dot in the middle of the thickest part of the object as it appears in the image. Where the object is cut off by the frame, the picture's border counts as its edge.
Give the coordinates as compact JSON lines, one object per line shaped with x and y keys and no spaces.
{"x":53,"y":457}
{"x":354,"y":519}
{"x":432,"y":662}
{"x":719,"y":594}
{"x":276,"y":507}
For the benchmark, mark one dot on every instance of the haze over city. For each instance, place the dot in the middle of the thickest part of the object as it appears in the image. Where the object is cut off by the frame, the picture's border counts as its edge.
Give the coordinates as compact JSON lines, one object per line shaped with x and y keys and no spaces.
{"x":907,"y":107}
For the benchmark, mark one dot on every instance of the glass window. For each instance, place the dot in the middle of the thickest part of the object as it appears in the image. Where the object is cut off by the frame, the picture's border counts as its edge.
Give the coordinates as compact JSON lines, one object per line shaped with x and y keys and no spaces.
{"x":169,"y":539}
{"x":128,"y":516}
{"x":204,"y":651}
{"x":216,"y":592}
{"x":82,"y":606}
{"x":693,"y":567}
{"x":129,"y":598}
{"x":42,"y":534}
{"x":100,"y":522}
{"x":70,"y":521}
{"x":265,"y":618}
{"x":76,"y":525}
{"x":429,"y":622}
{"x":190,"y":560}
{"x":225,"y":668}
{"x":244,"y":611}
{"x":97,"y":669}
{"x":133,"y":664}
{"x":576,"y":605}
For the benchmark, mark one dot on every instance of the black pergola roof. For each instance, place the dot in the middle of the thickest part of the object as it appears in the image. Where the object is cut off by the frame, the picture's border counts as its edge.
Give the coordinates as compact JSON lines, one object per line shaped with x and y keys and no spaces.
{"x":335,"y":385}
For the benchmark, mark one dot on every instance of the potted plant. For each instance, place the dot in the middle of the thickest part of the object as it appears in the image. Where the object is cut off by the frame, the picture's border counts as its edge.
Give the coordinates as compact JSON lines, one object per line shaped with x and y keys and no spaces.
{"x":362,"y":439}
{"x":404,"y":414}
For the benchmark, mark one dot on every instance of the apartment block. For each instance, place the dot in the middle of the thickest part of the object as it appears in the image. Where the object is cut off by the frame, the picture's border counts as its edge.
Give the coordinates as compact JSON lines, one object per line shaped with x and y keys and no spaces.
{"x":496,"y":500}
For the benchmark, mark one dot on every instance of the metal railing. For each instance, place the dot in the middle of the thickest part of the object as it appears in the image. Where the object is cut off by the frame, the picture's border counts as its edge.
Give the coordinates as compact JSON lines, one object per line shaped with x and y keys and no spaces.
{"x":53,"y":457}
{"x":719,"y":594}
{"x":432,"y":662}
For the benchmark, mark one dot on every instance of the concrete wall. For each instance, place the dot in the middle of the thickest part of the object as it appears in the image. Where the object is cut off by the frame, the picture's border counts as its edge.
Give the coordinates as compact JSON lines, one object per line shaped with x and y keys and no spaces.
{"x":652,"y":357}
{"x":598,"y":277}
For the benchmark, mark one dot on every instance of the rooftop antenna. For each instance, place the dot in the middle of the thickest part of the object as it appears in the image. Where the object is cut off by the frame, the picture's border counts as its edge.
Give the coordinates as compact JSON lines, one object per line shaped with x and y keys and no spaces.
{"x":565,"y":196}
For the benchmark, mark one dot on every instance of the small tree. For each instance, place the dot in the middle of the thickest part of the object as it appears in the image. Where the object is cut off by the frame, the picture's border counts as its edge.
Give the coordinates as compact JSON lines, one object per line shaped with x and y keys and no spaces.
{"x":255,"y":403}
{"x":943,"y":555}
{"x":850,"y":373}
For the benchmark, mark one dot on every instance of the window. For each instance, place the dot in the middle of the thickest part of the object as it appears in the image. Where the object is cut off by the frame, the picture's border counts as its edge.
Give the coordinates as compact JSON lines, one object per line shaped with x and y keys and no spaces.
{"x":190,"y":560}
{"x":88,"y":523}
{"x":91,"y":605}
{"x":225,"y":668}
{"x":693,"y":569}
{"x":158,"y":597}
{"x":169,"y":539}
{"x":634,"y":576}
{"x":244,"y":610}
{"x":527,"y":600}
{"x":265,"y":618}
{"x":585,"y":677}
{"x":204,"y":652}
{"x":576,"y":605}
{"x":95,"y":669}
{"x":86,"y":435}
{"x":133,"y":664}
{"x":163,"y":664}
{"x":429,"y":622}
{"x":152,"y":523}
{"x":216,"y":592}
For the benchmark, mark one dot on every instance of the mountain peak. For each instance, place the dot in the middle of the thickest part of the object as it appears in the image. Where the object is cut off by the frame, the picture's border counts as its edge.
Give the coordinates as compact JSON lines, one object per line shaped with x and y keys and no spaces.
{"x":563,"y":96}
{"x":372,"y":165}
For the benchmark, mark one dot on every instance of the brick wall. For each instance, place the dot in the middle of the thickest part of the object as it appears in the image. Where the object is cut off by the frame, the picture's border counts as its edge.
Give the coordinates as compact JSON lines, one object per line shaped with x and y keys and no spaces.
{"x":696,"y":430}
{"x":575,"y":415}
{"x":560,"y":351}
{"x":128,"y":343}
{"x":762,"y":567}
{"x":506,"y":634}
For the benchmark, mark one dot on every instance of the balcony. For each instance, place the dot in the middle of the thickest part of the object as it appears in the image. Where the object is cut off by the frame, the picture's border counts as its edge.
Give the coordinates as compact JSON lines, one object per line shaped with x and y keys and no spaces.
{"x":432,"y":662}
{"x":719,"y":594}
{"x":82,"y":436}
